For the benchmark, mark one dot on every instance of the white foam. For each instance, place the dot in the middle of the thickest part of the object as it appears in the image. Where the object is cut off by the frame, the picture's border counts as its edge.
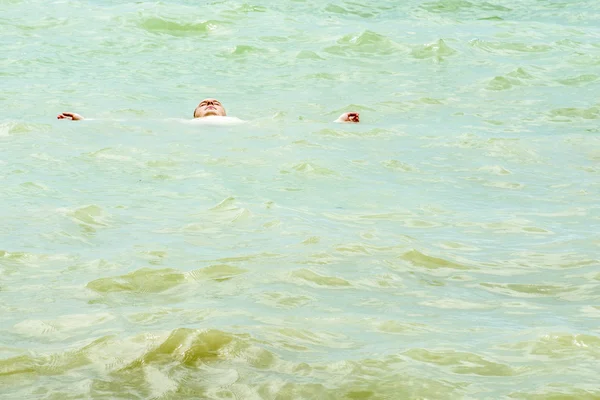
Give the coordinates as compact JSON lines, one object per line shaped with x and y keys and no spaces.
{"x":214,"y":120}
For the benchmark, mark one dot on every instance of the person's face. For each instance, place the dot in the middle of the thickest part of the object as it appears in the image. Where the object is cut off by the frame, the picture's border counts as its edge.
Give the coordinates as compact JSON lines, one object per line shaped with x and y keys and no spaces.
{"x":208,"y":107}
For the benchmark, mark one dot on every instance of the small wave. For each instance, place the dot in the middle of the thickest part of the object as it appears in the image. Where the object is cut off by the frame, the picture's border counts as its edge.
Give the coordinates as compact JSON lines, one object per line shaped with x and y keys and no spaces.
{"x":495,"y":170}
{"x":284,"y":300}
{"x":19,"y":128}
{"x":176,"y":28}
{"x":454,"y":6}
{"x":60,"y":328}
{"x":404,"y":328}
{"x":242,"y":11}
{"x":210,"y":363}
{"x":579,"y":80}
{"x":437,"y":51}
{"x":308,"y":168}
{"x":528,"y":290}
{"x":559,"y":391}
{"x":422,"y":260}
{"x":91,"y":215}
{"x":566,"y":114}
{"x":351,"y":9}
{"x":518,"y":77}
{"x":242,"y":51}
{"x":221,"y":272}
{"x":320,"y":280}
{"x":461,"y":362}
{"x":366,"y":42}
{"x":145,"y":280}
{"x":509,"y":47}
{"x":560,"y":346}
{"x":308,"y":55}
{"x":400,"y":166}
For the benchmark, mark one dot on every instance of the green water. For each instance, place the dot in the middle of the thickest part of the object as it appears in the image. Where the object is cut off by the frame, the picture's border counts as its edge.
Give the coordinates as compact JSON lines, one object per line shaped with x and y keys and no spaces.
{"x":446,"y":247}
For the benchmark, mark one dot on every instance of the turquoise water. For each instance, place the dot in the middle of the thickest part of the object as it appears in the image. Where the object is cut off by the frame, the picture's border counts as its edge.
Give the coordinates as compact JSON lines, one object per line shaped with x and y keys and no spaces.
{"x":445,"y":247}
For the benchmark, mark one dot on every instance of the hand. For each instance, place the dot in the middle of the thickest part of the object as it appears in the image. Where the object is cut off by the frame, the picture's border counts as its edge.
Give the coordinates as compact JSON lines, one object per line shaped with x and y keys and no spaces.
{"x":69,"y":115}
{"x":352,"y":117}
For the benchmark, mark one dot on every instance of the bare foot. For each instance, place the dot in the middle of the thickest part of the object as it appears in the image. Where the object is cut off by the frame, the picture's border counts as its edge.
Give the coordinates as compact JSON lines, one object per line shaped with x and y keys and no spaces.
{"x":70,"y":115}
{"x":352,"y":117}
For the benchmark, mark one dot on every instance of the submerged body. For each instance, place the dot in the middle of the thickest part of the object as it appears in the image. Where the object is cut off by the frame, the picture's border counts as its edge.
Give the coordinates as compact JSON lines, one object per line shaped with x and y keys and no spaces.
{"x":214,"y":120}
{"x":211,"y":110}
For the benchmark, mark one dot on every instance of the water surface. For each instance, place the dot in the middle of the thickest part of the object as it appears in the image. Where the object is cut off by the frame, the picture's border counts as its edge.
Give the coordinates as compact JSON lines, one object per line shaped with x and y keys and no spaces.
{"x":445,"y":247}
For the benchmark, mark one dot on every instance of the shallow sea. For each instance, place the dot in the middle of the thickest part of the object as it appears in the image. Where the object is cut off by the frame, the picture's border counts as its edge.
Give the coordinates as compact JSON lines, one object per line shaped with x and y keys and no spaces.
{"x":445,"y":247}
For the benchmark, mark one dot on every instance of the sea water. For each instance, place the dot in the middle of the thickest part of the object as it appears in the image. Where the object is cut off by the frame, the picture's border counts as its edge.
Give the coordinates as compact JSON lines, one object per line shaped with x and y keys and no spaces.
{"x":445,"y":247}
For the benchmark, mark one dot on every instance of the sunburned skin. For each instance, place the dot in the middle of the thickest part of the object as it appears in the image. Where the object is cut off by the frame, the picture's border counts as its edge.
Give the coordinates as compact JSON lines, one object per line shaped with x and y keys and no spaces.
{"x":352,"y":117}
{"x":70,"y":115}
{"x":212,"y":110}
